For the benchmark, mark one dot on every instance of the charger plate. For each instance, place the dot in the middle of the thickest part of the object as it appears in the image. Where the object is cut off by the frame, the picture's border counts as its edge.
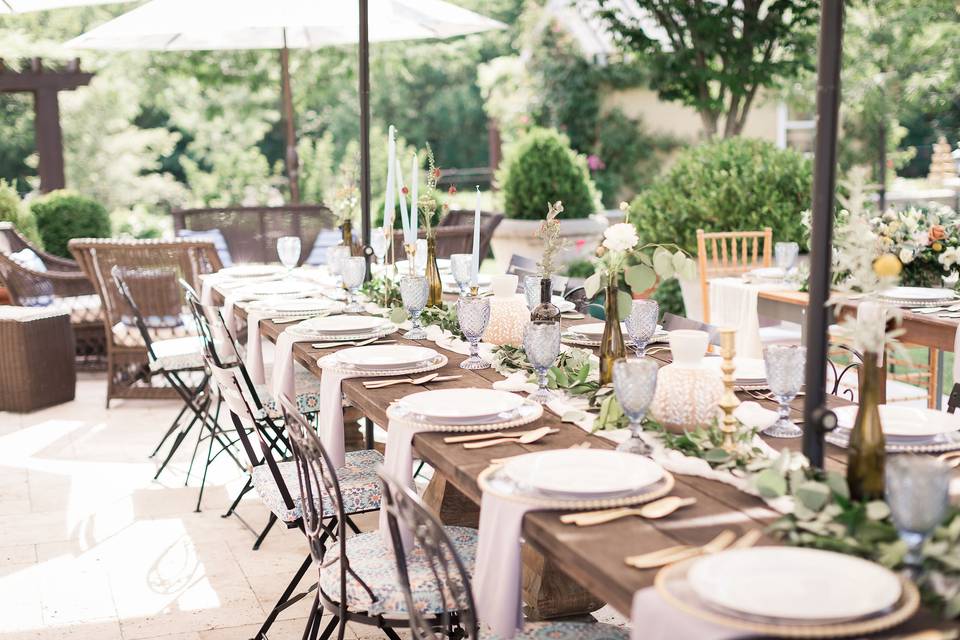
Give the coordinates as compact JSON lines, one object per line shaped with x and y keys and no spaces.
{"x":672,"y":585}
{"x":384,"y":331}
{"x":330,"y":362}
{"x":939,"y":444}
{"x":495,"y":481}
{"x":568,"y":337}
{"x":528,"y":412}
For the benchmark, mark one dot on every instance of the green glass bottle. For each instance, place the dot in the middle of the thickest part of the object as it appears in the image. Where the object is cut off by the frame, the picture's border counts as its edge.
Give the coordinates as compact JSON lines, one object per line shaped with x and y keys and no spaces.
{"x":867,"y":453}
{"x":612,"y":347}
{"x":434,"y":284}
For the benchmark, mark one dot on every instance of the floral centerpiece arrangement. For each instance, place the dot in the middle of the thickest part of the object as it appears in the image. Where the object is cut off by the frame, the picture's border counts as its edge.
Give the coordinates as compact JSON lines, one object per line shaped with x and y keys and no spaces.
{"x":925,"y":240}
{"x":345,"y":203}
{"x":431,"y":213}
{"x":553,"y":243}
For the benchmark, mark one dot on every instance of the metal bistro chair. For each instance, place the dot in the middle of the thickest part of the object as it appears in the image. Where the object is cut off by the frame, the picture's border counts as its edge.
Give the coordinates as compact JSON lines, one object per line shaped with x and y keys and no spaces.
{"x":175,"y":359}
{"x":437,"y":571}
{"x":357,"y":580}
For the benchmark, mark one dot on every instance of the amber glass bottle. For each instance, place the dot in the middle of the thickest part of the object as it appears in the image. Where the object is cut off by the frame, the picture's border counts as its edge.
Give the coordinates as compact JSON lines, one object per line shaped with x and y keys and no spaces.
{"x":434,"y":285}
{"x":612,"y":347}
{"x":867,"y":455}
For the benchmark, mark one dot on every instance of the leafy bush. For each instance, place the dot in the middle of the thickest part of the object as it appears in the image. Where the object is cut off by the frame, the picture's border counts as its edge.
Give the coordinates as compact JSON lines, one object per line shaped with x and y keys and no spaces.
{"x":62,"y":215}
{"x":730,"y":185}
{"x":12,"y":210}
{"x":540,"y":168}
{"x":582,"y":268}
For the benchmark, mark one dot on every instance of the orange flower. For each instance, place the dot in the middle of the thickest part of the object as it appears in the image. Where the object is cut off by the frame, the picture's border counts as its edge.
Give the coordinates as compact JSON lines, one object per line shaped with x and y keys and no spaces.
{"x":937,"y":232}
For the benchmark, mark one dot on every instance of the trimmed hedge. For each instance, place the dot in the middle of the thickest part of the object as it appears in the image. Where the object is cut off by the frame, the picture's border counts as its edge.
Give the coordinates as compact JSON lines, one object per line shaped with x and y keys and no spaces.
{"x":541,"y":168}
{"x":63,"y":215}
{"x":12,"y":210}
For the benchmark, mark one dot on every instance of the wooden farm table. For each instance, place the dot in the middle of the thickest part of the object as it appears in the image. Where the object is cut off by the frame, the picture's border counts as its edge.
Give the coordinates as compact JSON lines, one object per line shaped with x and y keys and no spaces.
{"x":592,"y":556}
{"x":922,"y":329}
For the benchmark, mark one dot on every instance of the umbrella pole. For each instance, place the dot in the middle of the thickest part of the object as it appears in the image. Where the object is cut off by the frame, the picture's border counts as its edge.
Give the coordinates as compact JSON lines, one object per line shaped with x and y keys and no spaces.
{"x":293,"y":163}
{"x":817,"y":417}
{"x":364,"y":91}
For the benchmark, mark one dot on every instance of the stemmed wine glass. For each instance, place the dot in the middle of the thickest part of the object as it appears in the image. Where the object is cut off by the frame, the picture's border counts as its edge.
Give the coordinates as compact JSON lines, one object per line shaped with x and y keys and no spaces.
{"x":353,"y":270}
{"x":785,"y":255}
{"x":335,"y":256}
{"x":785,"y":369}
{"x":541,"y":343}
{"x":918,"y":494}
{"x":473,"y":314}
{"x":634,"y":382}
{"x":378,"y":242}
{"x":413,"y":292}
{"x":288,"y":250}
{"x":461,"y":266}
{"x":641,"y":324}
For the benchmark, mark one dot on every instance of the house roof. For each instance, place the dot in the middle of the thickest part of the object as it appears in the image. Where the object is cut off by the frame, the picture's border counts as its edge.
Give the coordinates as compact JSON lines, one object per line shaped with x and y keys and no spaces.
{"x":592,"y":36}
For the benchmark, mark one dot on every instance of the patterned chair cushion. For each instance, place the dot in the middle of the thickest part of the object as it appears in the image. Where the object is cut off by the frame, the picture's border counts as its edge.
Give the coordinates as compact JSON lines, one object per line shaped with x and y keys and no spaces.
{"x":28,"y":259}
{"x":178,"y":354}
{"x":82,"y":309}
{"x":565,"y":631}
{"x":307,"y":386}
{"x":127,"y":335}
{"x":373,"y":561}
{"x":358,"y":479}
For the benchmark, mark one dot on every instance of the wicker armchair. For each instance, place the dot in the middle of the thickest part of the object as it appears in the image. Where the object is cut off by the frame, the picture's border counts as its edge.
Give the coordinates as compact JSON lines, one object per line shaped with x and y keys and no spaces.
{"x":251,"y":232}
{"x":160,"y":300}
{"x":450,"y":240}
{"x":488,"y":224}
{"x":62,"y":286}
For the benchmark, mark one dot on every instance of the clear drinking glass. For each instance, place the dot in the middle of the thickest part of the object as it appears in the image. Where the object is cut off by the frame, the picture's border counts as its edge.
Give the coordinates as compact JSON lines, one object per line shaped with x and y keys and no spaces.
{"x":642,"y":323}
{"x":785,"y":255}
{"x":335,"y":256}
{"x":353,"y":270}
{"x":634,"y":382}
{"x":378,"y":242}
{"x":531,"y":289}
{"x":541,"y":342}
{"x":785,"y":370}
{"x":288,"y":250}
{"x":461,"y":265}
{"x":473,"y":313}
{"x":413,"y":292}
{"x":918,"y":493}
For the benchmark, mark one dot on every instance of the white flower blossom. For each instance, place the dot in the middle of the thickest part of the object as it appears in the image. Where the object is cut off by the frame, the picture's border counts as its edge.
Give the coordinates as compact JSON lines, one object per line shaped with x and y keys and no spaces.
{"x":906,"y":255}
{"x":620,"y":237}
{"x":949,"y":257}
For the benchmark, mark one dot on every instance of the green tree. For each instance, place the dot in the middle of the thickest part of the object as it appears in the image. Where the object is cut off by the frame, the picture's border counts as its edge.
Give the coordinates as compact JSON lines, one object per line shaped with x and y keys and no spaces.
{"x":64,"y":215}
{"x":716,"y":56}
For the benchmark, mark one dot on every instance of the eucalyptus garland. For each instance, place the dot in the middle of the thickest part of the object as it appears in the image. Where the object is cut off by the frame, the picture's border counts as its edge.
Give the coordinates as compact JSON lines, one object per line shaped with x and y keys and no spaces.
{"x":382,"y":290}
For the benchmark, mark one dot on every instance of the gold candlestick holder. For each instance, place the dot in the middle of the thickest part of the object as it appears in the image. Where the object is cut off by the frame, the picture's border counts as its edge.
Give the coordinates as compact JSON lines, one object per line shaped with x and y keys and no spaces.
{"x":411,"y":249}
{"x":729,"y":400}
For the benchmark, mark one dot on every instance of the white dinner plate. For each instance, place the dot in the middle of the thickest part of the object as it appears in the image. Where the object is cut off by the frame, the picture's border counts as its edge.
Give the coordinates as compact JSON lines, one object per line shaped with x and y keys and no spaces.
{"x":251,"y":270}
{"x":593,"y":330}
{"x":920,"y":294}
{"x":565,"y":306}
{"x":386,"y":356}
{"x":903,"y":422}
{"x":794,"y":584}
{"x":347,"y":325}
{"x":749,"y":370}
{"x":767,"y":273}
{"x":279,"y":288}
{"x":462,"y":406}
{"x":298,"y":305}
{"x":584,"y":472}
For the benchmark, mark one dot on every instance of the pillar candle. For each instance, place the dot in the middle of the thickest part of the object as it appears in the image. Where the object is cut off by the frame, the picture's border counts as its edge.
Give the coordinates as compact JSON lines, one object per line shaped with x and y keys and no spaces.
{"x":476,"y":243}
{"x":413,"y":200}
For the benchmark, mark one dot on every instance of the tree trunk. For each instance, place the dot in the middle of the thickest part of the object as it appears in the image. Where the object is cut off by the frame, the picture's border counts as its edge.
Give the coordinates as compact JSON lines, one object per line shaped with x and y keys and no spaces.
{"x":709,"y":120}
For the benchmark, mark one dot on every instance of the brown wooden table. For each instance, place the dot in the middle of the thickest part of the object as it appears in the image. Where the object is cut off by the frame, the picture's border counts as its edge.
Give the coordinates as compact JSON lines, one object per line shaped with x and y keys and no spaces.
{"x":593,"y":557}
{"x":921,"y":329}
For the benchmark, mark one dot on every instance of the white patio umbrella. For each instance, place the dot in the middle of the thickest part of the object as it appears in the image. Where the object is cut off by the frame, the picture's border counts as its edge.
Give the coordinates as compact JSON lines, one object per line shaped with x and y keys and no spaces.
{"x":182,"y":25}
{"x":26,"y":6}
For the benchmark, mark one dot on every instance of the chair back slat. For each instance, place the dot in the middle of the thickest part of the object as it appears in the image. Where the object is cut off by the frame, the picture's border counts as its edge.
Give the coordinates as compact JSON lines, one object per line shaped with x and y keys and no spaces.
{"x":730,"y":253}
{"x":450,"y":577}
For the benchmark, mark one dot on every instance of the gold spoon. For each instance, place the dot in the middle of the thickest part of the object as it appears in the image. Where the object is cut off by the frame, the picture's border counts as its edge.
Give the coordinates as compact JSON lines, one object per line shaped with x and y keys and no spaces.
{"x":657,"y":509}
{"x":379,"y":384}
{"x":527,"y":438}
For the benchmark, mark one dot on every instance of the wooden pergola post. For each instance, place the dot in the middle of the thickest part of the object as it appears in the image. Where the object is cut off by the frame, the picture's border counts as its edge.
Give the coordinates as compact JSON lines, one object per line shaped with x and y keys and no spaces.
{"x":45,"y":87}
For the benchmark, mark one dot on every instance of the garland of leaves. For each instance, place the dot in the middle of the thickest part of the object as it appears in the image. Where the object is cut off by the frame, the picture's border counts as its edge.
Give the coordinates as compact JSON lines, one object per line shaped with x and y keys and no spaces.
{"x":383,"y":290}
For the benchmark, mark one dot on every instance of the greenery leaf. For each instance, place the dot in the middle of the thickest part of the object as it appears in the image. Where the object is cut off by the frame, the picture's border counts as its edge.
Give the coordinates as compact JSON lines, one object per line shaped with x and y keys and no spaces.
{"x":639,"y":277}
{"x":877,"y":510}
{"x":812,"y":494}
{"x":591,"y":285}
{"x":770,"y":484}
{"x":398,"y":315}
{"x":663,"y":262}
{"x":624,"y":304}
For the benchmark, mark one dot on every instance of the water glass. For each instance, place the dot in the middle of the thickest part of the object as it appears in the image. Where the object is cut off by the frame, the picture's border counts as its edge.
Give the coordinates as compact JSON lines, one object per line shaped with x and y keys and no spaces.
{"x":288,"y":250}
{"x":541,"y":343}
{"x":634,"y":382}
{"x":785,"y":255}
{"x":461,"y":265}
{"x":918,"y":493}
{"x":335,"y":257}
{"x":473,"y":314}
{"x":642,"y":323}
{"x":413,"y":292}
{"x":353,"y":270}
{"x":378,"y":242}
{"x":785,"y":370}
{"x":531,"y":289}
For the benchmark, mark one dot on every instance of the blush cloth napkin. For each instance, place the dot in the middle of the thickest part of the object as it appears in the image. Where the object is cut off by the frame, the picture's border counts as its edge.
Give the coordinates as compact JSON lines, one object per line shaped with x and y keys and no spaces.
{"x":733,"y":303}
{"x":254,"y":359}
{"x":956,"y":362}
{"x":496,"y":579}
{"x":653,"y":619}
{"x":398,"y":462}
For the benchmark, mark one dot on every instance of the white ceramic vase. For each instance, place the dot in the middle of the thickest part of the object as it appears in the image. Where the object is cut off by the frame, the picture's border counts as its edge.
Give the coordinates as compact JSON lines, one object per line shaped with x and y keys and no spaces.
{"x":687,"y":392}
{"x":509,"y":313}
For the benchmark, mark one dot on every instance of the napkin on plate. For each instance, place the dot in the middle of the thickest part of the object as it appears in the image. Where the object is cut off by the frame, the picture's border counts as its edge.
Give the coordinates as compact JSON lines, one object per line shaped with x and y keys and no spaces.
{"x":654,"y":619}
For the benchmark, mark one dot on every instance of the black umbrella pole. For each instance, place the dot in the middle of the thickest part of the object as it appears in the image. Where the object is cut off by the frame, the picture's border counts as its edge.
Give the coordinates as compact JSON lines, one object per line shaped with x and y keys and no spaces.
{"x":816,"y":417}
{"x":364,"y":90}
